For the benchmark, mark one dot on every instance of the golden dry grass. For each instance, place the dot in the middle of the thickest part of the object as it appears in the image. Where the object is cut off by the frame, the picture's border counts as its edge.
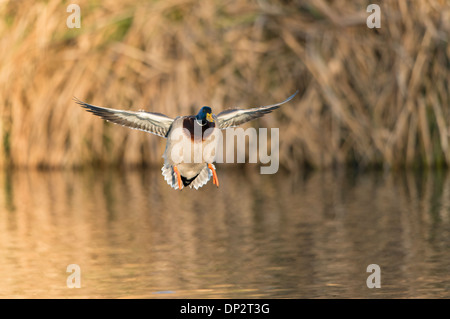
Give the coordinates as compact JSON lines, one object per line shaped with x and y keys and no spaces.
{"x":372,"y":97}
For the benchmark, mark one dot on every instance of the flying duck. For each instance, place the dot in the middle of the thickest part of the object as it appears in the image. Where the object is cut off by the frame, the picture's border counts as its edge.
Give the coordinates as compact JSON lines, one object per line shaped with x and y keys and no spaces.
{"x":192,"y":131}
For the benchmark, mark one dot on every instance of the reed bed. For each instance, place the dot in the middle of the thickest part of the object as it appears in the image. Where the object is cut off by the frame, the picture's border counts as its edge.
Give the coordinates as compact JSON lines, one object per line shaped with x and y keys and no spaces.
{"x":371,"y":97}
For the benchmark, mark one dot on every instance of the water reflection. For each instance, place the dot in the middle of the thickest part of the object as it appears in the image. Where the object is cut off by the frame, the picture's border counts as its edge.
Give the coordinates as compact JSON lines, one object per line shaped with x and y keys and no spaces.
{"x":258,"y":236}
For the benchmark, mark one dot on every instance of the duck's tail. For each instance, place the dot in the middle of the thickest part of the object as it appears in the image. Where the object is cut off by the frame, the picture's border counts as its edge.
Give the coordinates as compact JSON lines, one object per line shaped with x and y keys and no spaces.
{"x":201,"y":179}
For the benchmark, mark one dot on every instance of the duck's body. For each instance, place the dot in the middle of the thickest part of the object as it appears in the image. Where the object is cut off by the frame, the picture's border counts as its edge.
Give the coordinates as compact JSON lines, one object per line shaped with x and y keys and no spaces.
{"x":191,"y":140}
{"x":186,"y":141}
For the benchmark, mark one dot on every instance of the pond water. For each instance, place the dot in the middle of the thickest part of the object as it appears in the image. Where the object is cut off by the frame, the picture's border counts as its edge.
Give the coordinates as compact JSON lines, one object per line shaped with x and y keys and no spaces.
{"x":257,"y":236}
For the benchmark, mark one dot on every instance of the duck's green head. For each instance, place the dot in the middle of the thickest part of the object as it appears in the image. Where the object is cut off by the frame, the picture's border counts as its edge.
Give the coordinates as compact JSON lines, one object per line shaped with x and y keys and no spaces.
{"x":205,"y":114}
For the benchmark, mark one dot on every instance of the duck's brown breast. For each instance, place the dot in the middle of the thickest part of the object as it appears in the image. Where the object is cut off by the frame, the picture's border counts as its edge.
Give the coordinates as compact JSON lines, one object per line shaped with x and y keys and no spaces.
{"x":194,"y":128}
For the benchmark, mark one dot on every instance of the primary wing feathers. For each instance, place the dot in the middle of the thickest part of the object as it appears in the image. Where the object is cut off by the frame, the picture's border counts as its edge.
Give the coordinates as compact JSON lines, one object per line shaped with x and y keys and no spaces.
{"x":155,"y":123}
{"x":233,"y":118}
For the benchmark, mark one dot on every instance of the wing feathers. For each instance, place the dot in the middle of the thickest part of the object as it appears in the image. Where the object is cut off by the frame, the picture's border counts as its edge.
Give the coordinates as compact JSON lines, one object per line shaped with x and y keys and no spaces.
{"x":233,"y":118}
{"x":160,"y":124}
{"x":155,"y":123}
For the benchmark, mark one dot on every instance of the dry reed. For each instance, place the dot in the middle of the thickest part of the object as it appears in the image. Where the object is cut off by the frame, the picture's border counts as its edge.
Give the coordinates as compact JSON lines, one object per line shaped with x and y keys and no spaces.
{"x":368,"y":96}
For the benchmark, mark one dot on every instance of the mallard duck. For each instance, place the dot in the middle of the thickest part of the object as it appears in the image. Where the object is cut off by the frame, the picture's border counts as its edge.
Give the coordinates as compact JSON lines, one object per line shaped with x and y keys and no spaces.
{"x":178,"y":172}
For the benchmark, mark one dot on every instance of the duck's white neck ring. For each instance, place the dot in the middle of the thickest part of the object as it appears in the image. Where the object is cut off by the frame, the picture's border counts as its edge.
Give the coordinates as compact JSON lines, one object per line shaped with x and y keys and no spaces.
{"x":199,"y":122}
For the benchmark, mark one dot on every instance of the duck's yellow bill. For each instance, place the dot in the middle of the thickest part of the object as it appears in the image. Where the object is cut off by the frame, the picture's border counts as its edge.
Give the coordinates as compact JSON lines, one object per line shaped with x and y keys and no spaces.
{"x":209,"y":117}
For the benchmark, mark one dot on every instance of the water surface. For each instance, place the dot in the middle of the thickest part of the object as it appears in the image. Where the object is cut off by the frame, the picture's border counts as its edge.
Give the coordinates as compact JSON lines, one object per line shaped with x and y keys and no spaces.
{"x":257,"y":236}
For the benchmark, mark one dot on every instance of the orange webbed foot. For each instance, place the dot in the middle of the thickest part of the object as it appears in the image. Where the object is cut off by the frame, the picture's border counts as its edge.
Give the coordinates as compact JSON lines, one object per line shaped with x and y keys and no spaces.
{"x":180,"y":184}
{"x":215,"y":179}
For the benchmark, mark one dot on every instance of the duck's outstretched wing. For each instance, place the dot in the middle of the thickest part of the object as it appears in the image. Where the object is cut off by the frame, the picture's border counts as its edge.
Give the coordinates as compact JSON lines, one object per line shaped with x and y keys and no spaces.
{"x":155,"y":123}
{"x":236,"y":117}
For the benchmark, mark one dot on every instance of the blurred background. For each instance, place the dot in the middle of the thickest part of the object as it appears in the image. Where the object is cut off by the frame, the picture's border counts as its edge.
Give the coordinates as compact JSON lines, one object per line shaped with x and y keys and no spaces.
{"x":368,"y":97}
{"x":364,"y":149}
